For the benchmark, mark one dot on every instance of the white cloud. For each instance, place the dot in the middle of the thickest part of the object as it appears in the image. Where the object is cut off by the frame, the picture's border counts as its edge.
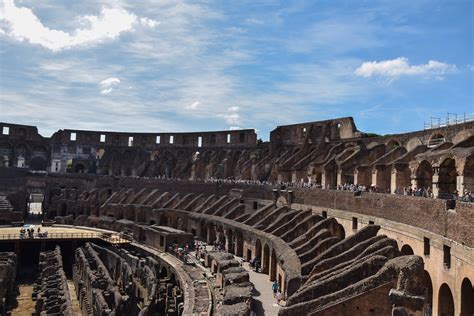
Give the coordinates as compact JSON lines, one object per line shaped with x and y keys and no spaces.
{"x":233,"y":109}
{"x":400,"y":66}
{"x":231,"y":118}
{"x":233,"y":128}
{"x":22,"y":24}
{"x":108,"y":85}
{"x":149,"y":22}
{"x":193,"y":106}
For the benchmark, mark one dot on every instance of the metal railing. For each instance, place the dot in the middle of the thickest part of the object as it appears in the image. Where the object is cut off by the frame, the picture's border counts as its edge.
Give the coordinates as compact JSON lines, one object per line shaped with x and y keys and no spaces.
{"x":43,"y":236}
{"x":451,"y":119}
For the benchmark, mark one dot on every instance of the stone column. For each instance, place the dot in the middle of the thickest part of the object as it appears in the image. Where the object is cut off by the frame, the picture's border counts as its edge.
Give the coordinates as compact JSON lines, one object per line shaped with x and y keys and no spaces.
{"x":339,"y":178}
{"x":435,"y":181}
{"x":227,"y":242}
{"x":323,"y":180}
{"x":393,"y":180}
{"x":374,"y":177}
{"x":275,"y":195}
{"x":460,"y":184}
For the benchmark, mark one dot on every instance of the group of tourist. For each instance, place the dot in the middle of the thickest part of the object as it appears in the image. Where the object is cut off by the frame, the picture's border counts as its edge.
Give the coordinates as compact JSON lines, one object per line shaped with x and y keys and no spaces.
{"x":415,"y":191}
{"x":29,"y":232}
{"x":180,"y":252}
{"x":427,"y":192}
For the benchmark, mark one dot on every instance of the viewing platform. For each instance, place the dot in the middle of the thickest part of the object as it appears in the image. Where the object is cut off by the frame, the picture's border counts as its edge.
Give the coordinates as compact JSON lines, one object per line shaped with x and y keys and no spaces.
{"x":60,"y":232}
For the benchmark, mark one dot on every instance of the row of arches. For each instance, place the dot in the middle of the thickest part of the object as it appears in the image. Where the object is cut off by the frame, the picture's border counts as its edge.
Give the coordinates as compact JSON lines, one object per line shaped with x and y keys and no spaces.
{"x":445,"y":303}
{"x":22,"y":155}
{"x":443,"y":177}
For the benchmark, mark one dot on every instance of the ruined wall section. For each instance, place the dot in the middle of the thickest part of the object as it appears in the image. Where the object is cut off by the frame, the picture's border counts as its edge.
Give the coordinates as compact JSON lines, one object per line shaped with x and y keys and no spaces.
{"x":8,"y":265}
{"x":23,"y":147}
{"x":51,"y":291}
{"x":124,"y":282}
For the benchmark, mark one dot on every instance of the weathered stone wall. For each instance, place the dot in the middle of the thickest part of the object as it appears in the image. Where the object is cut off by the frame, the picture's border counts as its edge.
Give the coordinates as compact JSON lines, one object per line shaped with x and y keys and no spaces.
{"x":51,"y":292}
{"x":124,"y":282}
{"x":8,"y":262}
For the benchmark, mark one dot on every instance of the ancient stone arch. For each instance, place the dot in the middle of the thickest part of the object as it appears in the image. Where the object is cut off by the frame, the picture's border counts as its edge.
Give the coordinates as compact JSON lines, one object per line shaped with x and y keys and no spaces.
{"x":266,"y":259}
{"x":427,"y":286}
{"x":462,"y":136}
{"x":258,"y":250}
{"x":413,"y":143}
{"x":447,"y":176}
{"x":467,"y":297}
{"x":392,"y":143}
{"x":445,"y":301}
{"x":281,"y":201}
{"x":273,"y":265}
{"x":79,"y":168}
{"x":424,"y":175}
{"x":406,"y":250}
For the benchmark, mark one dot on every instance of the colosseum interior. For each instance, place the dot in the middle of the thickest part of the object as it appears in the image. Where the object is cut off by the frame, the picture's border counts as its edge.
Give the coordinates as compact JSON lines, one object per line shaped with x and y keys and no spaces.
{"x":322,"y":219}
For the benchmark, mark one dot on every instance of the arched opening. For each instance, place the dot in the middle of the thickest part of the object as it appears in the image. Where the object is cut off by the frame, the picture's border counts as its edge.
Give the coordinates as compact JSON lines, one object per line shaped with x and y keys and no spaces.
{"x":406,"y":250}
{"x":38,"y":163}
{"x":229,"y":241}
{"x":211,"y":234}
{"x":392,"y":144}
{"x":220,"y":236}
{"x":424,"y":175}
{"x":128,"y":161}
{"x":63,"y":209}
{"x":163,"y":273}
{"x":273,"y":266}
{"x":179,"y":223}
{"x":203,"y":229}
{"x":239,"y":244}
{"x":266,"y":259}
{"x":436,"y":140}
{"x":152,"y":222}
{"x":173,"y":279}
{"x":427,"y":286}
{"x":469,"y":174}
{"x":163,"y":220}
{"x":467,"y":298}
{"x":447,"y":176}
{"x":445,"y":301}
{"x":6,"y":151}
{"x":79,"y":168}
{"x":258,"y":251}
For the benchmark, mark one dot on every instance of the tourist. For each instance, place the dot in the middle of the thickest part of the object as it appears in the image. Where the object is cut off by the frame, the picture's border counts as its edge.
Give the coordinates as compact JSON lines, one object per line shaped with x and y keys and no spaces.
{"x":256,"y":264}
{"x":278,"y":296}
{"x":275,"y":288}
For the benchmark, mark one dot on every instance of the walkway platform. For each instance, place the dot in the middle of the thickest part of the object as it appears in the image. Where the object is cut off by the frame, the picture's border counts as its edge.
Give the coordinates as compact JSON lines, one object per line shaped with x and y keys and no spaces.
{"x":61,"y":232}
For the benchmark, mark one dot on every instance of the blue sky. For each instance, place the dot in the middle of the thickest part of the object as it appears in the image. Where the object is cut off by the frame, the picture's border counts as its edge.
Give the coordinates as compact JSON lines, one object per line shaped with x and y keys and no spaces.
{"x":151,"y":65}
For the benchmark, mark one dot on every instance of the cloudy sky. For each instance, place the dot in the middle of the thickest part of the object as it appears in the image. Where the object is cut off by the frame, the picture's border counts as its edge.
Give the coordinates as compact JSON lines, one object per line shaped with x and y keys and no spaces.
{"x":153,"y":65}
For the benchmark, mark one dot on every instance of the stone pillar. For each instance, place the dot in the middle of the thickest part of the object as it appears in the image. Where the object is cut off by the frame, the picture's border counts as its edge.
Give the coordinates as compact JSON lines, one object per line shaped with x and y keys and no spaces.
{"x":356,"y":176}
{"x":208,"y":237}
{"x":218,"y":236}
{"x":227,"y":243}
{"x":393,"y":180}
{"x":460,"y":184}
{"x":323,"y":180}
{"x":339,"y":178}
{"x":374,"y":177}
{"x":289,"y":197}
{"x":275,"y":195}
{"x":435,"y":181}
